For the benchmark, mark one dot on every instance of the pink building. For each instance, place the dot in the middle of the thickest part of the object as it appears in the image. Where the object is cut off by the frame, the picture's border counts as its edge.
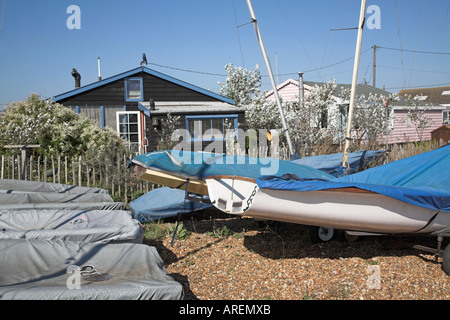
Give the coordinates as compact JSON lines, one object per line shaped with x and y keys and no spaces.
{"x":402,"y":129}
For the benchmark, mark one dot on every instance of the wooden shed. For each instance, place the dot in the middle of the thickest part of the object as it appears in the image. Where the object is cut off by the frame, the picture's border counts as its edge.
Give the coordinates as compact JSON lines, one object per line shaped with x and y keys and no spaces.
{"x":136,"y":104}
{"x":441,"y":133}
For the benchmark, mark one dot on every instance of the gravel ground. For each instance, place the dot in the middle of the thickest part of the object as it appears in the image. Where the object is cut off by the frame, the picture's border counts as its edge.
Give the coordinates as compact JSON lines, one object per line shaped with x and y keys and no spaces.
{"x":233,"y":258}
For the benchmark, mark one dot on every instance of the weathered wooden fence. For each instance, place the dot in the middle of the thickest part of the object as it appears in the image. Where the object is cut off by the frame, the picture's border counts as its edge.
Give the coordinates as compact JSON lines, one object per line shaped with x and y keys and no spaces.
{"x":109,"y":173}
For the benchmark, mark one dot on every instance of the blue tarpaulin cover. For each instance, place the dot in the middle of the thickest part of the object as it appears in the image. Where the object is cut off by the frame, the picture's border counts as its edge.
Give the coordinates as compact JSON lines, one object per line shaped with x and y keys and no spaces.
{"x":167,"y":202}
{"x":331,"y":163}
{"x":422,"y":180}
{"x":200,"y":165}
{"x":163,"y":203}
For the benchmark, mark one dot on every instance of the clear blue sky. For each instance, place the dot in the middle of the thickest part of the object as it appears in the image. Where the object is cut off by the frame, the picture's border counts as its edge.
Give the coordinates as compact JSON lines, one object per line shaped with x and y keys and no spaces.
{"x":38,"y":51}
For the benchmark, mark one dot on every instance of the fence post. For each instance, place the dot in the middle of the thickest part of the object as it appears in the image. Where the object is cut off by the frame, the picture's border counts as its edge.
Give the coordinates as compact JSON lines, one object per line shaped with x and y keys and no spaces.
{"x":112,"y":176}
{"x":3,"y":166}
{"x":53,"y":170}
{"x":79,"y":170}
{"x":31,"y":168}
{"x":65,"y":169}
{"x":45,"y":169}
{"x":39,"y":168}
{"x":73,"y":172}
{"x":126,"y":180}
{"x":59,"y":168}
{"x":87,"y":174}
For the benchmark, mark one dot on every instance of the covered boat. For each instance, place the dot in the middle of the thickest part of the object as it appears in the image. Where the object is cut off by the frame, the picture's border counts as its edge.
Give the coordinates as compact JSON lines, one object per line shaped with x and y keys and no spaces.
{"x":15,"y":193}
{"x":174,"y":168}
{"x":332,"y":163}
{"x":99,"y":226}
{"x":411,"y":195}
{"x":165,"y":202}
{"x":63,"y":270}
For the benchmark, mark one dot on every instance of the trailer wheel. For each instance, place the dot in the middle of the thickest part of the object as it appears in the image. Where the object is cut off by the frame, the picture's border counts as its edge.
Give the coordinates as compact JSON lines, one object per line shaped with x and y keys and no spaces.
{"x":321,"y":234}
{"x":343,"y":236}
{"x":446,"y":260}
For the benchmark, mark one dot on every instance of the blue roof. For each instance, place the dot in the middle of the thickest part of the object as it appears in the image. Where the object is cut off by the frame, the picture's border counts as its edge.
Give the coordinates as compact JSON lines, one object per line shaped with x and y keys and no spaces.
{"x":131,"y":72}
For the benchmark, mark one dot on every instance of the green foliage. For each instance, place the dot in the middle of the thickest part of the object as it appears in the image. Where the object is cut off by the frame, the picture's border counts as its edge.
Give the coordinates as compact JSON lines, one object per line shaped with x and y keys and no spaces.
{"x":168,"y":128}
{"x":181,"y":232}
{"x":224,"y":232}
{"x":156,"y":230}
{"x":57,"y":128}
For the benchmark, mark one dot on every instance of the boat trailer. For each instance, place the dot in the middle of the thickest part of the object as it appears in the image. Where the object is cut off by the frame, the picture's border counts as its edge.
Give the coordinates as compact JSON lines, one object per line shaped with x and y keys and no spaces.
{"x":438,"y":251}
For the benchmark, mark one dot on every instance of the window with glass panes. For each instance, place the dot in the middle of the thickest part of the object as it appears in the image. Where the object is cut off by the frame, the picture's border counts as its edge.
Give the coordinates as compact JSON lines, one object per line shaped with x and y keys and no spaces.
{"x":129,"y":126}
{"x":210,"y":127}
{"x":133,"y":89}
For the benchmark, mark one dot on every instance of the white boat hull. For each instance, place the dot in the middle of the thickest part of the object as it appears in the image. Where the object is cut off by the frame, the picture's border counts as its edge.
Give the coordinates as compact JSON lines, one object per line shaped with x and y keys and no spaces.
{"x":345,"y":209}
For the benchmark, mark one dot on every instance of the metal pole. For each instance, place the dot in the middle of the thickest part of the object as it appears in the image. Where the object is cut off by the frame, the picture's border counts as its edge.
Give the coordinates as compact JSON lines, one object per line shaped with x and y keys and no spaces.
{"x":300,"y":89}
{"x":348,"y":137}
{"x":98,"y":64}
{"x":374,"y":72}
{"x":269,"y":69}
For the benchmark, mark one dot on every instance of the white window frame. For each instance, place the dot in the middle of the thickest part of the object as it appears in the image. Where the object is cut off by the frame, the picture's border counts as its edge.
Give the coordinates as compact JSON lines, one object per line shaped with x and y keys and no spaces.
{"x":446,"y":116}
{"x":139,"y":126}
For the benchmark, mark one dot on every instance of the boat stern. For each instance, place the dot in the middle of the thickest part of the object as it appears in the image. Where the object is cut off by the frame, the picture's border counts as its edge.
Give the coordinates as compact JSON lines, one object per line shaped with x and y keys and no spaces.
{"x":233,"y":195}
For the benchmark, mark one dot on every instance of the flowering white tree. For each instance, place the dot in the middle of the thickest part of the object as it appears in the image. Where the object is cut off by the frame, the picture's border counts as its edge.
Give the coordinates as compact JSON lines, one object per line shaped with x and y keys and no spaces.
{"x":307,"y":124}
{"x":241,"y":84}
{"x":311,"y":124}
{"x":320,"y":121}
{"x":55,"y":127}
{"x":372,"y":117}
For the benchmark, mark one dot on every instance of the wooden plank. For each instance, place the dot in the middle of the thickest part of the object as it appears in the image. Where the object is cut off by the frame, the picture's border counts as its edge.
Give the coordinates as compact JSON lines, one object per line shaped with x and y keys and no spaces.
{"x":20,"y":146}
{"x":173,"y":181}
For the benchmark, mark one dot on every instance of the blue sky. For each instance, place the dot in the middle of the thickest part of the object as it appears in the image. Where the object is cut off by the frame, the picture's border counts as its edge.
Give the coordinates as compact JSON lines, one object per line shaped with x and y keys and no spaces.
{"x":38,"y":51}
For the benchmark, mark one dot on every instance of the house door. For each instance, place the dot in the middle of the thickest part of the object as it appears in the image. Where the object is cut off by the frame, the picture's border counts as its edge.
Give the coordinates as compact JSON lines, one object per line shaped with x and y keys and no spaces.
{"x":129,"y":128}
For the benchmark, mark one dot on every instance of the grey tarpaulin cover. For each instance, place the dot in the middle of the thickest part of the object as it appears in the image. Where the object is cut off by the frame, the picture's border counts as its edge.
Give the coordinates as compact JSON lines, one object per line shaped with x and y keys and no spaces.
{"x":44,"y":269}
{"x":19,"y":191}
{"x":70,"y":225}
{"x":68,"y":206}
{"x":36,"y":186}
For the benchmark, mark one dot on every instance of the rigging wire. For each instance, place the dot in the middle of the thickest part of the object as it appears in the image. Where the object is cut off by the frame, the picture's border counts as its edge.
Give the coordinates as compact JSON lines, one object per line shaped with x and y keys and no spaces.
{"x":187,"y":70}
{"x":415,"y":70}
{"x":415,"y":51}
{"x":417,"y":41}
{"x":367,"y":70}
{"x":423,"y":86}
{"x":3,"y":15}
{"x":281,"y":74}
{"x":442,"y":36}
{"x":238,"y":35}
{"x":333,"y":22}
{"x":400,"y":40}
{"x":297,"y":37}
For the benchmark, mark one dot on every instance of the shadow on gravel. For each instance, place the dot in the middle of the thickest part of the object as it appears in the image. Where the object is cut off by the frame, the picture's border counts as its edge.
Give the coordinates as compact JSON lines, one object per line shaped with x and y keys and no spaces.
{"x":291,"y":241}
{"x":279,"y":240}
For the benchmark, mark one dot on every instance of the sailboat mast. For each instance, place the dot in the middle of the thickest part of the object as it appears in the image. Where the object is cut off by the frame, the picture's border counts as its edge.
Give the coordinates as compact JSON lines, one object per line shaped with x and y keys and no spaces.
{"x":269,"y":69}
{"x":348,"y":137}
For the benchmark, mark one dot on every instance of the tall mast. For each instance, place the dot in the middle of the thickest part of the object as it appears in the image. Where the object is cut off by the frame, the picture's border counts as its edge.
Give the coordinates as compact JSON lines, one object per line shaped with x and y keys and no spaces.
{"x":269,"y":69}
{"x":348,"y":137}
